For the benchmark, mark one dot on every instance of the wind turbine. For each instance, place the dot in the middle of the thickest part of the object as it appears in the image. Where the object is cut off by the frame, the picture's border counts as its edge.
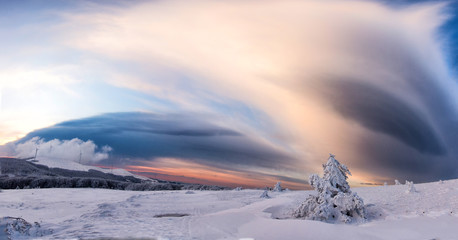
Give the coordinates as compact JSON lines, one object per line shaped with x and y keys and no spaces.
{"x":36,"y":152}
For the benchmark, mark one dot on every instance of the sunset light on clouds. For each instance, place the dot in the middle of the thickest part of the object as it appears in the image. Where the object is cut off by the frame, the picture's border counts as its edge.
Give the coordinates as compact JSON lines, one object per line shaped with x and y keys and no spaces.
{"x":237,"y":92}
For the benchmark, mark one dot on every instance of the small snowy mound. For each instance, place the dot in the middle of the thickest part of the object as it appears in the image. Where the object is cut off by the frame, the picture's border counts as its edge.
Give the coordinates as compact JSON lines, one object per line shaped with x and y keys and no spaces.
{"x":18,"y":228}
{"x":334,"y":202}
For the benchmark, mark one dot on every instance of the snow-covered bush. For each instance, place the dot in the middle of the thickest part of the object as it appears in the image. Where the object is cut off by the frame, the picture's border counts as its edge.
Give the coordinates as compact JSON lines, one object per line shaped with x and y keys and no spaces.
{"x":238,"y":189}
{"x":396,"y":182}
{"x":334,"y":202}
{"x":410,"y":187}
{"x":18,"y":228}
{"x":265,"y":194}
{"x":277,"y":187}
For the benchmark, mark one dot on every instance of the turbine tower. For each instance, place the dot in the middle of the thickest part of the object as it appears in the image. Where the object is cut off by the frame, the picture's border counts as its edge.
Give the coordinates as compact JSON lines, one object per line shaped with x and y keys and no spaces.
{"x":36,"y":152}
{"x":81,"y":154}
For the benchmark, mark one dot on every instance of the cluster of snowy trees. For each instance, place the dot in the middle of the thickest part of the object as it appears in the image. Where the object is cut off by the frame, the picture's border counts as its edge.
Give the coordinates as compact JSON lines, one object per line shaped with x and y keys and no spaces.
{"x":276,"y":188}
{"x":409,"y":184}
{"x":334,"y":201}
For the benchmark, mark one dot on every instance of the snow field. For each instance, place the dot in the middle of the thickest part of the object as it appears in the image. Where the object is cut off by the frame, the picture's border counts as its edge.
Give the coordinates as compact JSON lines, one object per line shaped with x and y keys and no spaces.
{"x":429,"y":213}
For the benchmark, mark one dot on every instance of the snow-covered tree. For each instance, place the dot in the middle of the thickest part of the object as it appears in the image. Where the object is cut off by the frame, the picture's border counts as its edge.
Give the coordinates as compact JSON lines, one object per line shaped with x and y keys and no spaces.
{"x":396,"y":182}
{"x":385,"y":184}
{"x":410,"y":187}
{"x":265,"y":194}
{"x":334,"y":202}
{"x":277,"y":187}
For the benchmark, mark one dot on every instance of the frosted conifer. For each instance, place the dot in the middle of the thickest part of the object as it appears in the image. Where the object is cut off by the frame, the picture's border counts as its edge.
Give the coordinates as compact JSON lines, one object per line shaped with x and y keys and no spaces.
{"x":265,"y":194}
{"x":277,"y":187}
{"x":410,"y":187}
{"x":334,"y":202}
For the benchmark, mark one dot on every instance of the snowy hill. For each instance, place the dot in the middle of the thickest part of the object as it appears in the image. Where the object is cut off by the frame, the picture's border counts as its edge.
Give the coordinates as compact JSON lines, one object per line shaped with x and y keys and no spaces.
{"x":22,"y":174}
{"x":23,"y":168}
{"x":71,"y":165}
{"x":429,"y":213}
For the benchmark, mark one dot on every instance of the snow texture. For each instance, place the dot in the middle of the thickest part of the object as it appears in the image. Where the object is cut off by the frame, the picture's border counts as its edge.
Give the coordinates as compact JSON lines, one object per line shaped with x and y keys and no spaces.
{"x":431,"y":213}
{"x":334,"y":202}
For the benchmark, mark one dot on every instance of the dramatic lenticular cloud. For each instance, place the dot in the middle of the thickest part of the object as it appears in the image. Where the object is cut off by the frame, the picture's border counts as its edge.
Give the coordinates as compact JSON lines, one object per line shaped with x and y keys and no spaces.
{"x":265,"y":86}
{"x":150,"y":136}
{"x":176,"y":147}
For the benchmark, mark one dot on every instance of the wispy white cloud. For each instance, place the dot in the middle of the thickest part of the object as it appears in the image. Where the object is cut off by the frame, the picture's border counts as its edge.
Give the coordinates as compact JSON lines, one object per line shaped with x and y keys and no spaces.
{"x":64,"y":150}
{"x":29,"y":98}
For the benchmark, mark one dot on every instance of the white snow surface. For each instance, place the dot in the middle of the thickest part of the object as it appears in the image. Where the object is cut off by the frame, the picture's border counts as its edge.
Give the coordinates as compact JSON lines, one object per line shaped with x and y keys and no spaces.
{"x":429,"y":213}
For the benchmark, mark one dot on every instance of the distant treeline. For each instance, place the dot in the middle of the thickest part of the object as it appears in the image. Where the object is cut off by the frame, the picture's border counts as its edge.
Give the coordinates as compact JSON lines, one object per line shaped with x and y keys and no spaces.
{"x":78,"y":182}
{"x":18,"y":173}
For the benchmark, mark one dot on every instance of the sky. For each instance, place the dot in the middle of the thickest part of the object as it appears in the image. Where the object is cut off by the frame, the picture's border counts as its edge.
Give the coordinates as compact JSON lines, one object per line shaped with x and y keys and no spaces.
{"x":235,"y":93}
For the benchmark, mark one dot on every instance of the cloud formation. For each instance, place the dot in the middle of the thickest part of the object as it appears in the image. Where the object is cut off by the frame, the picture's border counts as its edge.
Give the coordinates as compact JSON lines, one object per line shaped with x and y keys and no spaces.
{"x":149,"y":136}
{"x":292,"y":61}
{"x":382,"y":112}
{"x":64,"y":150}
{"x":271,"y":84}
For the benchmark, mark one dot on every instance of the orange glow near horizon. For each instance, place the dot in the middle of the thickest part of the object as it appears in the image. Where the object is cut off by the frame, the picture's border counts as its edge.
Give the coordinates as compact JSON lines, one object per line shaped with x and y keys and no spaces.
{"x":179,"y":170}
{"x":171,"y":169}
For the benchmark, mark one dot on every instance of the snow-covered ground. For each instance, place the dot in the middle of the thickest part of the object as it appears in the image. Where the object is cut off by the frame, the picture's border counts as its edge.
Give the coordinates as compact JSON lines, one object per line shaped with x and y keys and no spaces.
{"x":430,"y":213}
